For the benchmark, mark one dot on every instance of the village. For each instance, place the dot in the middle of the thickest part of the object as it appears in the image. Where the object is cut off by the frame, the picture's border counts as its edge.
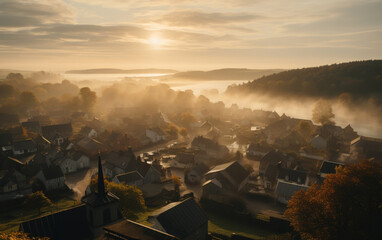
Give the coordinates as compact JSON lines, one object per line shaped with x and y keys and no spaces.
{"x":247,"y":162}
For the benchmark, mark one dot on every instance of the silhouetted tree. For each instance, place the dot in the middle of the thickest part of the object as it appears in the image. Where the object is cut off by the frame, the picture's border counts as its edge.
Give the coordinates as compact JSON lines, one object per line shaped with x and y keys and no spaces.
{"x":37,"y":200}
{"x":322,"y":113}
{"x":88,"y":98}
{"x":348,"y":205}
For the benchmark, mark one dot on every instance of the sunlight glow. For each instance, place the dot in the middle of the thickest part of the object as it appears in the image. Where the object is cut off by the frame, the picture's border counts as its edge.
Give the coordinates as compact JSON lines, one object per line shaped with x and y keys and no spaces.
{"x":155,"y":41}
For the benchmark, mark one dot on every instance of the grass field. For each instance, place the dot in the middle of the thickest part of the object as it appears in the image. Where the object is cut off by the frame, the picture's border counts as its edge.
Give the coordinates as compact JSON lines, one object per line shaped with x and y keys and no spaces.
{"x":225,"y":226}
{"x":10,"y":220}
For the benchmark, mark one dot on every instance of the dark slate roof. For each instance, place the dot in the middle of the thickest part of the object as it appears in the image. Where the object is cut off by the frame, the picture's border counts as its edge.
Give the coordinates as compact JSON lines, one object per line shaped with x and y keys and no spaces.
{"x":64,"y":225}
{"x":9,"y":163}
{"x":90,"y":145}
{"x":292,"y":175}
{"x":122,"y":159}
{"x":8,"y":118}
{"x":24,"y":144}
{"x":271,"y":171}
{"x":50,"y":131}
{"x":31,"y":125}
{"x":329,"y":167}
{"x":287,"y":189}
{"x":129,"y":177}
{"x":41,"y":140}
{"x":95,"y":199}
{"x":181,"y":218}
{"x":234,"y":169}
{"x":52,"y":172}
{"x":6,"y":139}
{"x":201,"y":168}
{"x":128,"y":230}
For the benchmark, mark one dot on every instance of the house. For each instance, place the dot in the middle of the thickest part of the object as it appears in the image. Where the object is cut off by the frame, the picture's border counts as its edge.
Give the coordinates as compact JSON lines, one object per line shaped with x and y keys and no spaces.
{"x":155,"y":135}
{"x":285,"y":190}
{"x":32,"y":126}
{"x":258,"y":149}
{"x":6,"y":142}
{"x":196,"y":174}
{"x":329,"y":167}
{"x":52,"y":177}
{"x":63,"y":130}
{"x":12,"y":180}
{"x":313,"y":153}
{"x":183,"y":160}
{"x":81,"y":222}
{"x":365,"y":148}
{"x":205,"y":127}
{"x":42,"y":143}
{"x":184,"y":220}
{"x":82,"y":160}
{"x":68,"y":224}
{"x":67,"y":164}
{"x":130,"y":178}
{"x":274,"y":157}
{"x":274,"y":172}
{"x":212,"y":187}
{"x":150,"y":173}
{"x":231,"y":175}
{"x":292,"y":141}
{"x":319,"y":142}
{"x":214,"y":133}
{"x":90,"y":146}
{"x":127,"y":230}
{"x":24,"y":147}
{"x":211,"y":147}
{"x":88,"y":132}
{"x":120,"y":162}
{"x":8,"y":163}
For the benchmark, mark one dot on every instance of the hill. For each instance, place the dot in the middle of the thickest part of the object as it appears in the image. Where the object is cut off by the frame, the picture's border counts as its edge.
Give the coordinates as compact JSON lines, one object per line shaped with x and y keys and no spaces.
{"x":359,"y":80}
{"x":225,"y":74}
{"x":121,"y":71}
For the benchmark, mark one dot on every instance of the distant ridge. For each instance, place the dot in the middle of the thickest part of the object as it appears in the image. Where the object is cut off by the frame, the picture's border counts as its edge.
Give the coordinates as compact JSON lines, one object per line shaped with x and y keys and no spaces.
{"x":359,"y":80}
{"x":225,"y":74}
{"x":121,"y":71}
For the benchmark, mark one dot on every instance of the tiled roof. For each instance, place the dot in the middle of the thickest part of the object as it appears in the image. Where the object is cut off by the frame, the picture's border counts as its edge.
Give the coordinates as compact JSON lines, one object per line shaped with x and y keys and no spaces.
{"x":181,"y":218}
{"x":127,"y":230}
{"x":64,"y":225}
{"x":129,"y":177}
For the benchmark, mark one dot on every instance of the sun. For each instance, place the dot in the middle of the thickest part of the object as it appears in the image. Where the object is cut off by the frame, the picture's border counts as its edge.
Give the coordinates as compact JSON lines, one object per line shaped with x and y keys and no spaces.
{"x":155,"y":41}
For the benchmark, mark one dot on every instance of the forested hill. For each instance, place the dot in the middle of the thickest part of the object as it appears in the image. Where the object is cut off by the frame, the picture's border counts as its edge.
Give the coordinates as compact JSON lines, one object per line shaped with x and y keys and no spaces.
{"x":359,"y":80}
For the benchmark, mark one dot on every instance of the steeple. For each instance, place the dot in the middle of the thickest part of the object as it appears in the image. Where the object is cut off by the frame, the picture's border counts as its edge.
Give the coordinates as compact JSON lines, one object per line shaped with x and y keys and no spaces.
{"x":101,"y":184}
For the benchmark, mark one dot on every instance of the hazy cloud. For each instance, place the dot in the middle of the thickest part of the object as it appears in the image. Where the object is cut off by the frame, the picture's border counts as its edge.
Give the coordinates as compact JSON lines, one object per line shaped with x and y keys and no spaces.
{"x":25,"y":13}
{"x":198,"y":18}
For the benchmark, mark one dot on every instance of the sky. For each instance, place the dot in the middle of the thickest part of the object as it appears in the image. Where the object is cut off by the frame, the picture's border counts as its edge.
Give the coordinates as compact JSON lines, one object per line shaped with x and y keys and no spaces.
{"x":59,"y":35}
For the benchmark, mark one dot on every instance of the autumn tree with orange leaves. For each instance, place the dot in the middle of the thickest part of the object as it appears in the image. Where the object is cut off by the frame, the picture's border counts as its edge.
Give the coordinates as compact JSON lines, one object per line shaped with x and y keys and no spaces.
{"x":348,"y":205}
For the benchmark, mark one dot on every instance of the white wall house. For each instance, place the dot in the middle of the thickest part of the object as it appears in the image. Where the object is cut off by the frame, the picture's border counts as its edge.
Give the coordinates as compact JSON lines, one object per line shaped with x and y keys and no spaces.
{"x":155,"y":135}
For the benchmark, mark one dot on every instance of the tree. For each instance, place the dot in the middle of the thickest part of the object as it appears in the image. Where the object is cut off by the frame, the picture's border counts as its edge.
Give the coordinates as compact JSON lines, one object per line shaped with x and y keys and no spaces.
{"x":177,"y":183}
{"x":94,"y":183}
{"x":183,"y":132}
{"x":348,"y":205}
{"x":37,"y":200}
{"x":186,"y":119}
{"x":322,"y":113}
{"x":131,"y":199}
{"x":88,"y":99}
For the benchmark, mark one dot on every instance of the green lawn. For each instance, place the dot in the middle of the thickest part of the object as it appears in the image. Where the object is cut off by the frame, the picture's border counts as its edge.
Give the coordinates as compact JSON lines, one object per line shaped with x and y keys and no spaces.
{"x":225,"y":226}
{"x":10,"y":220}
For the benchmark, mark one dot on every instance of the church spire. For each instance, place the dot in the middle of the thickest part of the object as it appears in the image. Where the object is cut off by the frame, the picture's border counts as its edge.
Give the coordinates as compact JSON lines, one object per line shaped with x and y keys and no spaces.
{"x":101,"y":184}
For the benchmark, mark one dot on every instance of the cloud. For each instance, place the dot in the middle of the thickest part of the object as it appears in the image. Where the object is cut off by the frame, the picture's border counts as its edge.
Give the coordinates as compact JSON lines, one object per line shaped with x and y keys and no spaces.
{"x":198,"y":18}
{"x":21,"y":13}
